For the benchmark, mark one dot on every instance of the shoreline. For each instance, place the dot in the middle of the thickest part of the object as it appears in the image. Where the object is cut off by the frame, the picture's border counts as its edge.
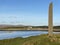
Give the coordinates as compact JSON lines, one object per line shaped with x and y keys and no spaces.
{"x":54,"y":30}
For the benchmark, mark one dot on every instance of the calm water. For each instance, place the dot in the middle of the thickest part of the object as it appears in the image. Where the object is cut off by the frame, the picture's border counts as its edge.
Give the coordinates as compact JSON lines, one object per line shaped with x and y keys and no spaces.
{"x":24,"y":34}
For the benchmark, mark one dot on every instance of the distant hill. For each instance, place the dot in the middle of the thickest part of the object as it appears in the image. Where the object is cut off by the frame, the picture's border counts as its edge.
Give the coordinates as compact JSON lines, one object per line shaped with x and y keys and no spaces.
{"x":26,"y":27}
{"x":2,"y":26}
{"x":5,"y":26}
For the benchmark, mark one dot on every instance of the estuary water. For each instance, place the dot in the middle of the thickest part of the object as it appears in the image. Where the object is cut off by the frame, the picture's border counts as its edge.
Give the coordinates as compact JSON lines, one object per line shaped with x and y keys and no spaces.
{"x":23,"y":34}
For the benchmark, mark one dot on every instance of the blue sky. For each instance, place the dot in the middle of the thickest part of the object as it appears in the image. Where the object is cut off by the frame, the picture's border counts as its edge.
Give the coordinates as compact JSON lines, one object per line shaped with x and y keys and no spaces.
{"x":28,"y":12}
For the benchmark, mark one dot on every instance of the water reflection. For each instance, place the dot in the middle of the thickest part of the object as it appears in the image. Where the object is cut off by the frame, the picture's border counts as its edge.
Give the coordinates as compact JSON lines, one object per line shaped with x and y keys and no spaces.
{"x":24,"y":34}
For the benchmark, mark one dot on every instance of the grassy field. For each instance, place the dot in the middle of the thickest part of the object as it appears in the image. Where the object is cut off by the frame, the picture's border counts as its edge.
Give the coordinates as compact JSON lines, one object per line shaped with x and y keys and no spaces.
{"x":33,"y":40}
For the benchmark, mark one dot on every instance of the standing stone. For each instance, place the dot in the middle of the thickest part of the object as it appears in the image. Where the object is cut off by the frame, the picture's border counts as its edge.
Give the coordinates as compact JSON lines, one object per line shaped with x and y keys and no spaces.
{"x":50,"y":20}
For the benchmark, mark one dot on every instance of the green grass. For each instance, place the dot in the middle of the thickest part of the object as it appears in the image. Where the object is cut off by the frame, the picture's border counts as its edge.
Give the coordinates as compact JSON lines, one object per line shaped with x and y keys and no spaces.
{"x":33,"y":40}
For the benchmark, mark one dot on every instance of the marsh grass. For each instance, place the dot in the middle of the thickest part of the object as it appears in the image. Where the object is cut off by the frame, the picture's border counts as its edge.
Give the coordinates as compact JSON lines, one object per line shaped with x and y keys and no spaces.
{"x":33,"y":40}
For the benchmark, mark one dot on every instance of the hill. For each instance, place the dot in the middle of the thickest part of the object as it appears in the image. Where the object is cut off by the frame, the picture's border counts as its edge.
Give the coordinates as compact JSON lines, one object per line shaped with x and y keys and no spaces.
{"x":23,"y":27}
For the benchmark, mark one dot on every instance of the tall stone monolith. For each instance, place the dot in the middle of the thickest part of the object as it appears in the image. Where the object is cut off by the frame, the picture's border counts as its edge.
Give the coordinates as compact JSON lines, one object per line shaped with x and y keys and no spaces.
{"x":50,"y":20}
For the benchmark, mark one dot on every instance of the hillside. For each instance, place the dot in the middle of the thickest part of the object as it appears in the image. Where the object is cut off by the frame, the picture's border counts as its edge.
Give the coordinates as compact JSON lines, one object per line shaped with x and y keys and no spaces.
{"x":22,"y":27}
{"x":33,"y":40}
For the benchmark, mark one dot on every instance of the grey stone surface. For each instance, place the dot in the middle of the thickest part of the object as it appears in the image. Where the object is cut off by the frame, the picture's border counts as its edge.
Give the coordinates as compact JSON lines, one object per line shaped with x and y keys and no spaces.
{"x":50,"y":19}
